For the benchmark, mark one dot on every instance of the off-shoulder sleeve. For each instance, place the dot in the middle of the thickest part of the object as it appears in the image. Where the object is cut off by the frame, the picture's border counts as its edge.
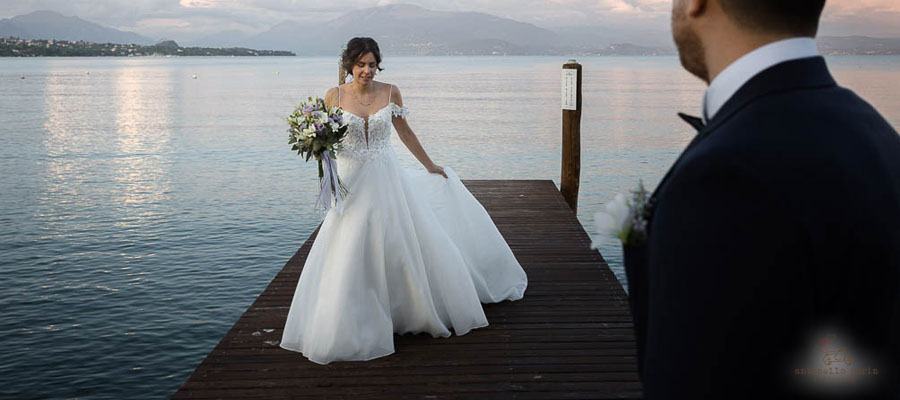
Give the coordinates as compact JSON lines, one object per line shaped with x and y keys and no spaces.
{"x":398,"y":111}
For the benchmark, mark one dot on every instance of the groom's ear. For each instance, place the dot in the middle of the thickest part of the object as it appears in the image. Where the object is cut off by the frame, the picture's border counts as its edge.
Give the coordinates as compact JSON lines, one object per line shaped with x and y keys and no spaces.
{"x":696,"y":8}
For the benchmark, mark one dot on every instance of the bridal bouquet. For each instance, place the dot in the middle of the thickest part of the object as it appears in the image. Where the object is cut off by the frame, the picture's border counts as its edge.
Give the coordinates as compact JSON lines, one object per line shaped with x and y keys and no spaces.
{"x":624,"y":218}
{"x":316,"y":131}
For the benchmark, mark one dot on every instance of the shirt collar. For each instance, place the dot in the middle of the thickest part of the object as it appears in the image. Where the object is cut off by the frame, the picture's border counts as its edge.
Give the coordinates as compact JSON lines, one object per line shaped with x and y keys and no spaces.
{"x":747,"y":66}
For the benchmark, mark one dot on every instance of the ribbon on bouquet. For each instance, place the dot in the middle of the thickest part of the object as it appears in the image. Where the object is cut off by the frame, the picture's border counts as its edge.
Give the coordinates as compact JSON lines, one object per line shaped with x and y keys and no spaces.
{"x":330,"y":189}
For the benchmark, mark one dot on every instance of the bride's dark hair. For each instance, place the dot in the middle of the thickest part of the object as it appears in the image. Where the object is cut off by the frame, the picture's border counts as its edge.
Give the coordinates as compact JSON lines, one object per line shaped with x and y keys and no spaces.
{"x":356,"y":48}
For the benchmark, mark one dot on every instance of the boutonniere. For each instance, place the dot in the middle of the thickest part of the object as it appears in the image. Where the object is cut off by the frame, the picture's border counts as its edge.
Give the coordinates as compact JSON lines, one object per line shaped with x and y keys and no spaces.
{"x":625,"y":218}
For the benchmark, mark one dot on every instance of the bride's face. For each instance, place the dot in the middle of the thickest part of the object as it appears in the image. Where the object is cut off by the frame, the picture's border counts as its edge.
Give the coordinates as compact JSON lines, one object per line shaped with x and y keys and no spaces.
{"x":365,"y":68}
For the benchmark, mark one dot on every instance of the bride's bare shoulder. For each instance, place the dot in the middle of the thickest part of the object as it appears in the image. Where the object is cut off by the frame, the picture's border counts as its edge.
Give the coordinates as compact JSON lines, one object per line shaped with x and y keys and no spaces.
{"x":395,"y":95}
{"x":331,"y":97}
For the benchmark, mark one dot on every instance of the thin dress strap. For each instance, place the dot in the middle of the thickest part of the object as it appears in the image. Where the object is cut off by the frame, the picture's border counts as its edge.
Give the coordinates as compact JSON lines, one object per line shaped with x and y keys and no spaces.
{"x":390,"y":94}
{"x":339,"y":96}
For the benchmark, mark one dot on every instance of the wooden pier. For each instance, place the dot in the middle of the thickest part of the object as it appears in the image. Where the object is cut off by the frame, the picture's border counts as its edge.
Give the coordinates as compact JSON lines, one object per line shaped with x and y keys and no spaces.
{"x":569,"y":338}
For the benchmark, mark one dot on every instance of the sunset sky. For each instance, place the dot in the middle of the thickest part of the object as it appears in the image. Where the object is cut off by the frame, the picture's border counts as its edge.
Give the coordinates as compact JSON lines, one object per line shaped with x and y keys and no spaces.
{"x":194,"y":18}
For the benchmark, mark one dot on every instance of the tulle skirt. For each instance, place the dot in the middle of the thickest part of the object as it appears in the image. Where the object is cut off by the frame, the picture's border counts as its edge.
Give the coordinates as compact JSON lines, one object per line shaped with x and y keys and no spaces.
{"x":412,"y":252}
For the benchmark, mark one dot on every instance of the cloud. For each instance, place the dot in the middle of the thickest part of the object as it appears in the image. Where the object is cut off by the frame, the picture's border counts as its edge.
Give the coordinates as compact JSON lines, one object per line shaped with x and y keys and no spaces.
{"x":166,"y":23}
{"x":861,"y":17}
{"x":198,"y":3}
{"x":856,"y":8}
{"x":155,"y":17}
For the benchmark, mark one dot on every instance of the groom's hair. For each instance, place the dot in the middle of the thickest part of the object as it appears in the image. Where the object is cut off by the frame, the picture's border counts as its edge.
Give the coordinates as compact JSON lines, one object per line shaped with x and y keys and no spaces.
{"x":798,"y":17}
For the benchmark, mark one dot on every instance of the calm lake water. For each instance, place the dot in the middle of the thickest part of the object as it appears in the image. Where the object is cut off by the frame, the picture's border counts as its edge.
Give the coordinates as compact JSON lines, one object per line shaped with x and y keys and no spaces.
{"x":142,"y":210}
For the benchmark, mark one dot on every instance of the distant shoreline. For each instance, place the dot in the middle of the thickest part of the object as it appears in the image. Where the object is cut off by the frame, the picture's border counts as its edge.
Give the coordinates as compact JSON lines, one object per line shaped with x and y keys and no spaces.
{"x":575,"y":56}
{"x":13,"y":47}
{"x":17,"y":47}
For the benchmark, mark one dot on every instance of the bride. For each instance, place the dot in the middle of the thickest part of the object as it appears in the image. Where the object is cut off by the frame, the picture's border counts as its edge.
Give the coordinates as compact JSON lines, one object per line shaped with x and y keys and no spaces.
{"x":411,"y":251}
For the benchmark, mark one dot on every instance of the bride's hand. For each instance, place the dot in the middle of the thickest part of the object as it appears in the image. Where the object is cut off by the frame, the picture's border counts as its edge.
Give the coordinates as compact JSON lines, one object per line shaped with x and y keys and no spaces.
{"x":437,"y":169}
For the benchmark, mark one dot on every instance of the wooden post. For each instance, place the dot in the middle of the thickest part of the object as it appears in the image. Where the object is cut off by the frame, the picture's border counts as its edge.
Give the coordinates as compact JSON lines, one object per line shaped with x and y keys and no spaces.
{"x":571,"y":133}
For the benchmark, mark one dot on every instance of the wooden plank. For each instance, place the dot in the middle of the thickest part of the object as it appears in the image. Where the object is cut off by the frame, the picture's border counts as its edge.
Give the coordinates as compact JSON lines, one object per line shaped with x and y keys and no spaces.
{"x":569,"y":338}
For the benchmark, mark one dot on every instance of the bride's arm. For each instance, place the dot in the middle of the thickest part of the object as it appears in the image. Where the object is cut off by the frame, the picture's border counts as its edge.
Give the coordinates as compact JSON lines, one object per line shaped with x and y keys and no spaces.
{"x":410,"y":140}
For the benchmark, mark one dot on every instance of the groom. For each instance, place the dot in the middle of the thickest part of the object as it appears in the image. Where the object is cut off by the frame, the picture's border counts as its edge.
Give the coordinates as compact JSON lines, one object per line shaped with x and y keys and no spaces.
{"x":777,"y":229}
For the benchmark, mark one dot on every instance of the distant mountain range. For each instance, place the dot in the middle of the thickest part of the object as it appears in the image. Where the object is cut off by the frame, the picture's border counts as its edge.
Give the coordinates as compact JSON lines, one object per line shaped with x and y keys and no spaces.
{"x":53,"y":25}
{"x":411,"y":30}
{"x":403,"y":29}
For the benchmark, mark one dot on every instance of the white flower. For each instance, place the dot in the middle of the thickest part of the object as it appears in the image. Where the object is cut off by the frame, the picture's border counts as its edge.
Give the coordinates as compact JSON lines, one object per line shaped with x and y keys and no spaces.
{"x":611,"y":221}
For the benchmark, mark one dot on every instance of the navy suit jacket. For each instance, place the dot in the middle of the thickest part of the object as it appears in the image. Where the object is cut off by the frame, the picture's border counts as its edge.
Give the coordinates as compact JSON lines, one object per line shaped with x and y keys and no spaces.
{"x":779,"y":224}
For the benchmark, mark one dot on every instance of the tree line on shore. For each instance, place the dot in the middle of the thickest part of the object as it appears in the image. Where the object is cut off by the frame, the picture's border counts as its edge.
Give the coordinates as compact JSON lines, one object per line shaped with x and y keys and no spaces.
{"x":17,"y":47}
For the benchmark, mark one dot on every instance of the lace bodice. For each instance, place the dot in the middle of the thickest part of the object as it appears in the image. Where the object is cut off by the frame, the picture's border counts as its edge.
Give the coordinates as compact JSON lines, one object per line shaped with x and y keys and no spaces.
{"x":378,"y":127}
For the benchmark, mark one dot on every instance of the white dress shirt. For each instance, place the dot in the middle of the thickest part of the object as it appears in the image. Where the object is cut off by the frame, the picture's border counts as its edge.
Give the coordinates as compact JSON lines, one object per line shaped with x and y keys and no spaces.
{"x":741,"y":70}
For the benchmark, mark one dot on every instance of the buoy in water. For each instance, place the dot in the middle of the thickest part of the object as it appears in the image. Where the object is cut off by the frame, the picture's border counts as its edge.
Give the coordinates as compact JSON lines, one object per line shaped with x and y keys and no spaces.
{"x":22,"y":77}
{"x":194,"y":77}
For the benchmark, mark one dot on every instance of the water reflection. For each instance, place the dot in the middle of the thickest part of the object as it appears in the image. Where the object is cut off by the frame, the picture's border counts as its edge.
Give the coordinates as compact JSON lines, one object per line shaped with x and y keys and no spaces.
{"x":63,"y":140}
{"x":142,"y":140}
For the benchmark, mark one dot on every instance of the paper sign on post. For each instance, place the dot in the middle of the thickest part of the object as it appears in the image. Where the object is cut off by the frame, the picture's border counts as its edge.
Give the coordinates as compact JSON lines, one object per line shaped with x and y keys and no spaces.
{"x":569,"y":83}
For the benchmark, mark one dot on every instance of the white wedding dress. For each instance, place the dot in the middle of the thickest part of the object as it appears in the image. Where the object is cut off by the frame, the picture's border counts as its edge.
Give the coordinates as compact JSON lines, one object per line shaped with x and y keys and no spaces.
{"x":411,"y":252}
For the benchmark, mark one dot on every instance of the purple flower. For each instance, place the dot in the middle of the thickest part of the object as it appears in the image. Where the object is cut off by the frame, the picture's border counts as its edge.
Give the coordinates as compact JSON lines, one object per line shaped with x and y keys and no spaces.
{"x":308,"y":109}
{"x":319,"y":127}
{"x":338,"y":119}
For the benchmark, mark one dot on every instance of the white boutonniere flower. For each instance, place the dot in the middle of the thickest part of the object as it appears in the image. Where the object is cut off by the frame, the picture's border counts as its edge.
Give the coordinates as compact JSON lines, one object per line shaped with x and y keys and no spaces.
{"x":624,"y":218}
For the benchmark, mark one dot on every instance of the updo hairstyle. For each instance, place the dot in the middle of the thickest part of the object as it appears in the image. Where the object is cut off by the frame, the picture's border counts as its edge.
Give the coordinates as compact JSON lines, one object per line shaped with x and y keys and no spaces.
{"x":356,"y":48}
